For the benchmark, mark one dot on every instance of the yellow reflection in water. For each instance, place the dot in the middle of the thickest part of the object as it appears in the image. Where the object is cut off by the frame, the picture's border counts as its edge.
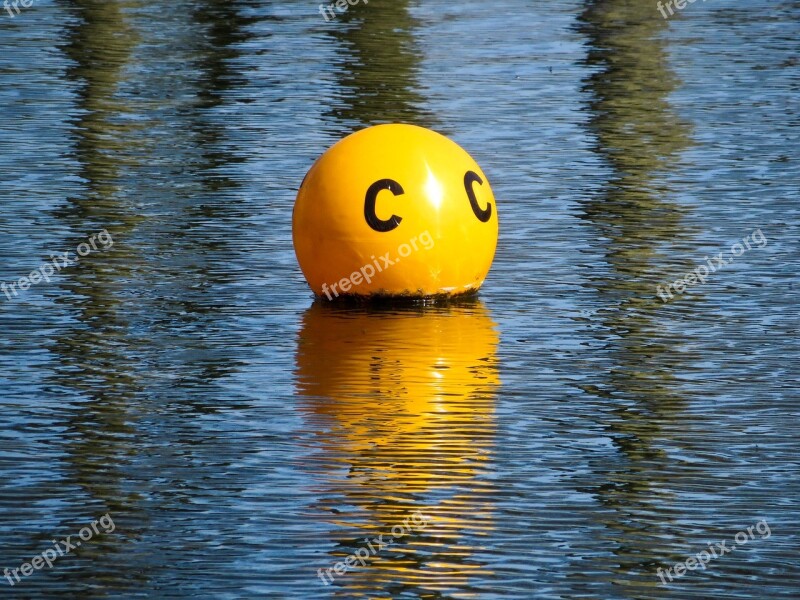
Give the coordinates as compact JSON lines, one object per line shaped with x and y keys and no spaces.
{"x":401,"y":404}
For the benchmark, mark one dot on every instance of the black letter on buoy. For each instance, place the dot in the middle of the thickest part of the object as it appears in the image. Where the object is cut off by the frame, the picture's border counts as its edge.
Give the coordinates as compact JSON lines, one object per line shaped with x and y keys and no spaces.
{"x":369,"y":205}
{"x":482,"y":214}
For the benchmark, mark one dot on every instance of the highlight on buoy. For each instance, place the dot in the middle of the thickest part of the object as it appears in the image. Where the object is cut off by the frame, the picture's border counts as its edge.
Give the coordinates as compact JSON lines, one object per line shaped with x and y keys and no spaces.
{"x":395,"y":210}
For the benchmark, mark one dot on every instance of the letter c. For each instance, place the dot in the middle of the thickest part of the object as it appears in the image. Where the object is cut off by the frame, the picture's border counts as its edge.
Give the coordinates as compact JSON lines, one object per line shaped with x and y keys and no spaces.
{"x":483,"y":214}
{"x":372,"y":219}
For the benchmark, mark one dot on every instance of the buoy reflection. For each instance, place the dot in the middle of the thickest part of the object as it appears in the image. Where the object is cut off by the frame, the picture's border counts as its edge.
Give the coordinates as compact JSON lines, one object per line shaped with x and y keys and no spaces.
{"x":401,"y":405}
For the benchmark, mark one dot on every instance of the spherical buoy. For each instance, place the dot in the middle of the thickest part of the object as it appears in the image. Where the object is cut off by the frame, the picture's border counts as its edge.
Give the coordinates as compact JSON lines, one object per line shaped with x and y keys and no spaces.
{"x":395,"y":210}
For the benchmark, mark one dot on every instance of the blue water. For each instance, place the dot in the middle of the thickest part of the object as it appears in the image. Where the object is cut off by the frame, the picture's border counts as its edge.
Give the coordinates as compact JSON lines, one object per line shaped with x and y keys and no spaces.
{"x":565,"y":435}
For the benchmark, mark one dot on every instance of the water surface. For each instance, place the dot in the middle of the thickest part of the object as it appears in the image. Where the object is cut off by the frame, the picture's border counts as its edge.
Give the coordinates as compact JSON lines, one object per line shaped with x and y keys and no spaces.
{"x":566,"y":434}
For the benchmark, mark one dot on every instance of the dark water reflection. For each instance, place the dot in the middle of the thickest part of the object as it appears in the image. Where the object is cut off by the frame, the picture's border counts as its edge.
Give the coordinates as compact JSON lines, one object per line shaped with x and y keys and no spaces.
{"x":640,"y":136}
{"x":377,"y":67}
{"x":567,"y":433}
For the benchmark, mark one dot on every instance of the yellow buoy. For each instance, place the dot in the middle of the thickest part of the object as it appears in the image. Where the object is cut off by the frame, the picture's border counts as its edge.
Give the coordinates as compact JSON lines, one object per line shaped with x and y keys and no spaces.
{"x":395,"y":210}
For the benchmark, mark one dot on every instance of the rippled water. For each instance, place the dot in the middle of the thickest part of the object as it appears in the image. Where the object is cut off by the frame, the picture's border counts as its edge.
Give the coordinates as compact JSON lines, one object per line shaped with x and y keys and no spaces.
{"x":564,"y":435}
